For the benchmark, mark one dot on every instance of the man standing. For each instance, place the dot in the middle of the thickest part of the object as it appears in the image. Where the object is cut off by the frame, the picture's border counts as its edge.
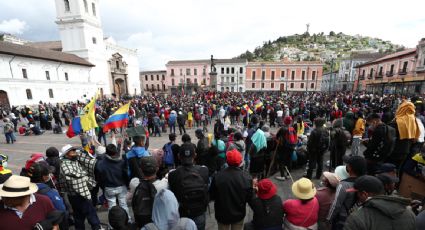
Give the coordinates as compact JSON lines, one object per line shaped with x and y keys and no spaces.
{"x":376,"y":151}
{"x":201,"y":148}
{"x":189,"y":183}
{"x":379,"y":211}
{"x":20,"y":206}
{"x":231,"y":189}
{"x":8,"y":129}
{"x":181,"y":121}
{"x":318,"y":144}
{"x":75,"y":179}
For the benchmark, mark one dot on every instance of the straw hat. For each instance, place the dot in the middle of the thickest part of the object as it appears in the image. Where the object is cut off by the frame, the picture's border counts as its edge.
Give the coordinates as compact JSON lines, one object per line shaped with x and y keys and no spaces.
{"x":332,"y":178}
{"x":17,"y":186}
{"x":303,"y":189}
{"x":66,"y":149}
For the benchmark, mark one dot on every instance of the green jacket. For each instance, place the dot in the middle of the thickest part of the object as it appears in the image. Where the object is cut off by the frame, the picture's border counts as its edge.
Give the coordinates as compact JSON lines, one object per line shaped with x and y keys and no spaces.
{"x":382,"y":212}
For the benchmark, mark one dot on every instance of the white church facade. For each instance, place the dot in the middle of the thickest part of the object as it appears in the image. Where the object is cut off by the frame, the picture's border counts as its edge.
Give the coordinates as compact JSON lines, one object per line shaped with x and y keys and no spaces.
{"x":78,"y":65}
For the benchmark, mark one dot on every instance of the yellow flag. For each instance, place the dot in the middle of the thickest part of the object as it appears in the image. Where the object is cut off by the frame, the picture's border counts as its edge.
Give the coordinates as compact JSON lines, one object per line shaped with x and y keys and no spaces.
{"x":88,"y":119}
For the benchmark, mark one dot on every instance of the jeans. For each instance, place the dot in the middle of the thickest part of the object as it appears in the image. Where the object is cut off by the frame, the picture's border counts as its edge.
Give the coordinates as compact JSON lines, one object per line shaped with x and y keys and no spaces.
{"x":83,"y":209}
{"x":355,"y":145}
{"x":10,"y":137}
{"x":181,"y":127}
{"x":111,"y":195}
{"x":172,"y":127}
{"x":200,"y":221}
{"x":157,"y":131}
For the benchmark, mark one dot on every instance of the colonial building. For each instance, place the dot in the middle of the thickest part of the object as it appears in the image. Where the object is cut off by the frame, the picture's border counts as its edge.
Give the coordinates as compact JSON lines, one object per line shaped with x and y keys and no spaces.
{"x":231,"y":75}
{"x":393,"y":73}
{"x":347,"y":73}
{"x":328,"y":83}
{"x":188,"y":76}
{"x":81,"y":63}
{"x":284,"y":76}
{"x":153,"y":82}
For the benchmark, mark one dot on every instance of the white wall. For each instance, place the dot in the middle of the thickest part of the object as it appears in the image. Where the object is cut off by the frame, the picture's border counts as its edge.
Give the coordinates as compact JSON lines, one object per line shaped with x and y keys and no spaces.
{"x":15,"y":85}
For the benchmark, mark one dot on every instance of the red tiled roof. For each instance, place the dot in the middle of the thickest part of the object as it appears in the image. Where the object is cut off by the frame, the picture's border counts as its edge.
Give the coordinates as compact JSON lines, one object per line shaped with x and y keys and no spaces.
{"x":40,"y":53}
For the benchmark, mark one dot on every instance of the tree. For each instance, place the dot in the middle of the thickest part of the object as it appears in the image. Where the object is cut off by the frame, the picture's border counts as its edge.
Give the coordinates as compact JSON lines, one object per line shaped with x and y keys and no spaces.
{"x":332,"y":33}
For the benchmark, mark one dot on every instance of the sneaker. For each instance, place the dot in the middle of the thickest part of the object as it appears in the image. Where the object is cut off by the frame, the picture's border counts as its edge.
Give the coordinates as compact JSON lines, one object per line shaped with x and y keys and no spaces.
{"x":281,"y":178}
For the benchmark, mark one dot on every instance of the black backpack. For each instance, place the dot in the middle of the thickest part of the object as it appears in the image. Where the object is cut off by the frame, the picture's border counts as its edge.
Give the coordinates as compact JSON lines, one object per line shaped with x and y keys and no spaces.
{"x":142,"y":202}
{"x":194,"y":193}
{"x":390,"y":139}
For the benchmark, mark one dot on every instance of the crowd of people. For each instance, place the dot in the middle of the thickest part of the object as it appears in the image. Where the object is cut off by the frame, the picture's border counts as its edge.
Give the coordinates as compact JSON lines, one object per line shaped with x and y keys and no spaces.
{"x":254,"y":139}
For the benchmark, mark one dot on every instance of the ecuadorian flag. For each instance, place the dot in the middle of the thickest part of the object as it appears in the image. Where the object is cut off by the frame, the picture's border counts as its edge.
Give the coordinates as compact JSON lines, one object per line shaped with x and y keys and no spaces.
{"x":118,"y":119}
{"x":74,"y":128}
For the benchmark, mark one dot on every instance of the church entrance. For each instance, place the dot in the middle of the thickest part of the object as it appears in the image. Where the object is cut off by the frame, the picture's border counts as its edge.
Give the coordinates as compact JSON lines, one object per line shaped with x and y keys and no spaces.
{"x":4,"y":100}
{"x":120,"y":88}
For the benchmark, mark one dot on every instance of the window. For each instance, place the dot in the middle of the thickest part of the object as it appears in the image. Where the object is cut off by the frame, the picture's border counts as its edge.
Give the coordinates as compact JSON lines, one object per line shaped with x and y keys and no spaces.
{"x":222,"y":79}
{"x":195,"y":72}
{"x":172,"y":82}
{"x":392,"y":69}
{"x":222,"y":89}
{"x":51,"y":93}
{"x":66,"y":2}
{"x":233,"y":89}
{"x":29,"y":94}
{"x":253,"y":85}
{"x":262,"y":85}
{"x":424,"y":61}
{"x":86,"y":7}
{"x":195,"y":80}
{"x":293,"y":75}
{"x":157,"y":87}
{"x":24,"y":73}
{"x":380,"y":70}
{"x":253,"y":75}
{"x":47,"y":75}
{"x":163,"y":77}
{"x":93,"y":7}
{"x":117,"y":64}
{"x":163,"y":87}
{"x":240,"y":80}
{"x":272,"y":76}
{"x":302,"y":86}
{"x":187,"y":80}
{"x":222,"y":70}
{"x":94,"y":40}
{"x":227,"y":70}
{"x":181,"y":72}
{"x":188,"y":72}
{"x":272,"y":85}
{"x":153,"y":87}
{"x":240,"y":69}
{"x":157,"y":77}
{"x":66,"y":76}
{"x":172,"y":72}
{"x":364,"y":72}
{"x":227,"y":79}
{"x":263,"y":75}
{"x":371,"y":73}
{"x":146,"y":77}
{"x":303,"y":75}
{"x":233,"y":79}
{"x":313,"y":75}
{"x":312,"y":85}
{"x":204,"y":71}
{"x":147,"y":86}
{"x":405,"y":66}
{"x":233,"y":70}
{"x":151,"y":77}
{"x":282,"y":73}
{"x":292,"y":85}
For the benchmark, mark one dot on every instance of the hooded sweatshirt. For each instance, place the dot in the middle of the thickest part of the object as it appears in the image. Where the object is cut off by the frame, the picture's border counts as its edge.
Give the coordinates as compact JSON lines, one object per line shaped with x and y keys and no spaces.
{"x":382,"y":212}
{"x":165,"y":213}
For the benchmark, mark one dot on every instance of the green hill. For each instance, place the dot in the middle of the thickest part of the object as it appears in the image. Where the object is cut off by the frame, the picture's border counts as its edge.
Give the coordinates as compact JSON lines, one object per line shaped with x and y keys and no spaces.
{"x":318,"y":47}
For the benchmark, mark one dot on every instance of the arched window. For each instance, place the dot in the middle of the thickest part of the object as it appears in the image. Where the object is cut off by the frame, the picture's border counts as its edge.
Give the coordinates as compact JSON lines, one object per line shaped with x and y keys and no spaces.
{"x":29,"y":94}
{"x":66,"y":3}
{"x":93,"y":7}
{"x":86,"y":7}
{"x":172,"y":82}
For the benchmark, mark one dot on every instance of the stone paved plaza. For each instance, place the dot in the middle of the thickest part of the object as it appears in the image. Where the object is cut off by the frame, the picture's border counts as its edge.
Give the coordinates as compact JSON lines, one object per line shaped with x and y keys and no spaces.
{"x":26,"y":145}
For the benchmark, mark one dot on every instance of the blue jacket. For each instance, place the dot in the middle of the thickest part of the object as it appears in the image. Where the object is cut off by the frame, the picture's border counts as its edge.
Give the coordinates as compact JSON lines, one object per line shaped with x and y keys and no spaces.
{"x":133,"y":160}
{"x":53,"y":195}
{"x":112,"y":172}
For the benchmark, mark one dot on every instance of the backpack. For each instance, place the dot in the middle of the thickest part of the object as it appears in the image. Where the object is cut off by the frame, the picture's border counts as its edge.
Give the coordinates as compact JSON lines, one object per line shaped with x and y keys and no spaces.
{"x":168,"y":154}
{"x":324,"y":141}
{"x":291,"y":138}
{"x":194,"y":193}
{"x":142,"y":202}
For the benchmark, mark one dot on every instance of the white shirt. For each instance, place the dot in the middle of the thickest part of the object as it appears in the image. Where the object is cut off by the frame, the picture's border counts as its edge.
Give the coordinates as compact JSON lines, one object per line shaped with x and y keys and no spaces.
{"x":279,"y":113}
{"x":421,"y":130}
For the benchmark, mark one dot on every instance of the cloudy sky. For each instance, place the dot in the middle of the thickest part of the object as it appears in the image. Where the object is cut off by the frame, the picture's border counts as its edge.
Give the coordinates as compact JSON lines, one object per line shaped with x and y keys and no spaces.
{"x":165,"y":30}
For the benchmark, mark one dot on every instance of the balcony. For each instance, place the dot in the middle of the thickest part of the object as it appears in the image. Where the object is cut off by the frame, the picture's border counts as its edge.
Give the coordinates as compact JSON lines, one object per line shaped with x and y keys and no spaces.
{"x":369,"y":76}
{"x":389,"y":73}
{"x":361,"y":77}
{"x":379,"y":75}
{"x":402,"y":71}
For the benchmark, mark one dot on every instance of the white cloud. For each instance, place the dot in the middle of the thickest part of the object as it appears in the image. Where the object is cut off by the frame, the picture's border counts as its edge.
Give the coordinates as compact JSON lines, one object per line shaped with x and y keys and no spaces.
{"x":13,"y":26}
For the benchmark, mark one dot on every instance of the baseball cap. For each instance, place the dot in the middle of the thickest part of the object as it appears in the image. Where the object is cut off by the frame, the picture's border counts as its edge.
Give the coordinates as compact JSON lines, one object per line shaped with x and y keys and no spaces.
{"x":148,"y":165}
{"x":187,"y":152}
{"x":368,"y":184}
{"x":386,"y":168}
